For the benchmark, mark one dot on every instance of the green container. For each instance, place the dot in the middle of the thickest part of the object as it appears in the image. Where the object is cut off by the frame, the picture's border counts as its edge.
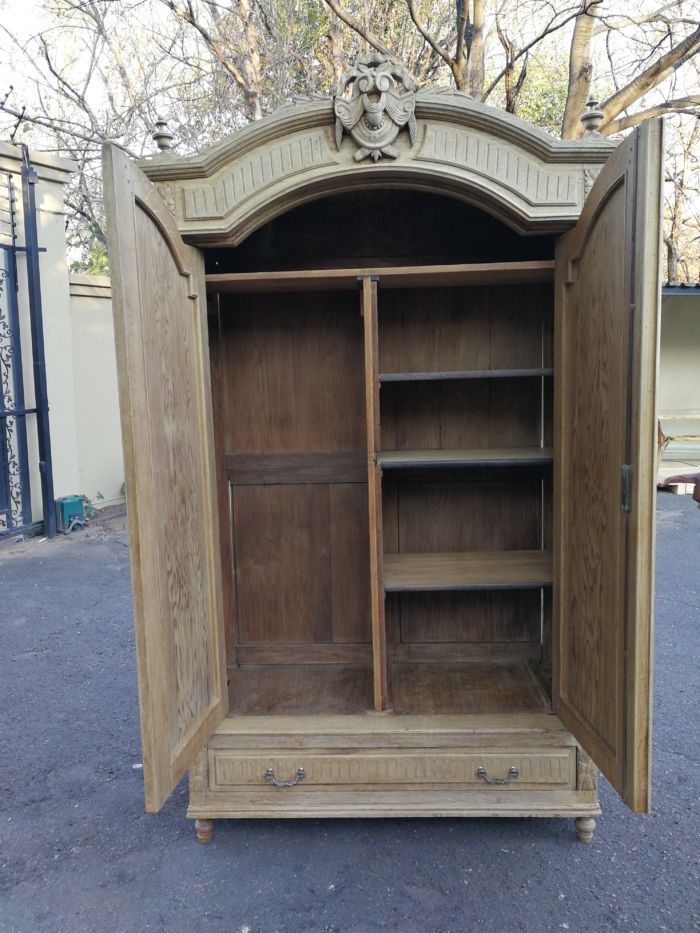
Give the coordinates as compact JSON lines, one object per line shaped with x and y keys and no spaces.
{"x":70,"y":514}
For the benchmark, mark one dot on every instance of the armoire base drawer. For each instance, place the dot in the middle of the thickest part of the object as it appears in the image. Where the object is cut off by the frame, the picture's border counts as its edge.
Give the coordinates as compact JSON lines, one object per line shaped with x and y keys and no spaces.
{"x":286,"y":771}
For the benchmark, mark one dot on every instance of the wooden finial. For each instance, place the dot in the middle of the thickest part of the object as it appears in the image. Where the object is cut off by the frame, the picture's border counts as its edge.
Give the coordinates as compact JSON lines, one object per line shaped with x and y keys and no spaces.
{"x":162,"y":136}
{"x":592,"y":117}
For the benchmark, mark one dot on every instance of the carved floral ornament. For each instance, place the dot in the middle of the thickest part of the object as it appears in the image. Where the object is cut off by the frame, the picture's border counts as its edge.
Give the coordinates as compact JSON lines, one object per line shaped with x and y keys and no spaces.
{"x":375,"y":112}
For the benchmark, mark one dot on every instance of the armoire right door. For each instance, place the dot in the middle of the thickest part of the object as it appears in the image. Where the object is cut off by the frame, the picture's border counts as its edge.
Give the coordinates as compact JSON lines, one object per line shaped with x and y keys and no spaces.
{"x":606,"y":332}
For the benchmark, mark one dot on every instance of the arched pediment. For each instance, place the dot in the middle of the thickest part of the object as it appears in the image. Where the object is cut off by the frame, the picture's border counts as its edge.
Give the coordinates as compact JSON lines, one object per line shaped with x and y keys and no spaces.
{"x":455,"y":146}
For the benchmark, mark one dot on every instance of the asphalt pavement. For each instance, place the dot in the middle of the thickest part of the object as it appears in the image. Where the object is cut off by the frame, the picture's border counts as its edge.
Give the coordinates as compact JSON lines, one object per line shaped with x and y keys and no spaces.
{"x":77,"y":852}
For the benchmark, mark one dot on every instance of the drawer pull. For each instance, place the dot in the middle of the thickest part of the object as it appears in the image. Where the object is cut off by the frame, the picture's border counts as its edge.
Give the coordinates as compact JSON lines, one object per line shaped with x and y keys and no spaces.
{"x":271,"y":779}
{"x":513,"y":773}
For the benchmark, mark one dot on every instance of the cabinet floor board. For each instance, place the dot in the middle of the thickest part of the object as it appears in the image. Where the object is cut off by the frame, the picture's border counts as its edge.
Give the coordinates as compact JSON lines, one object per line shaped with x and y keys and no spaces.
{"x":468,"y":687}
{"x":300,"y":689}
{"x":425,"y":687}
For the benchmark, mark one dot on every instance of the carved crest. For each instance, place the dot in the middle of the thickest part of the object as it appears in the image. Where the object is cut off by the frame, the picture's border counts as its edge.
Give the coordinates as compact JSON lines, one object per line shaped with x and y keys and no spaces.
{"x":376,"y":111}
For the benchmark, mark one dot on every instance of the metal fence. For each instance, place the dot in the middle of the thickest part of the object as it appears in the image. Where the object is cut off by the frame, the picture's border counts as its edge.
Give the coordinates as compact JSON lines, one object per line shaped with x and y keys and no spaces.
{"x":19,"y":234}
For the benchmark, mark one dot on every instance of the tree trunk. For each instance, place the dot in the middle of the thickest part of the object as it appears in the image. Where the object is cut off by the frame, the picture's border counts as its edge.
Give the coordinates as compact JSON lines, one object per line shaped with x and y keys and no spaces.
{"x":580,"y":73}
{"x":475,"y":63}
{"x":335,"y":50}
{"x":250,"y":66}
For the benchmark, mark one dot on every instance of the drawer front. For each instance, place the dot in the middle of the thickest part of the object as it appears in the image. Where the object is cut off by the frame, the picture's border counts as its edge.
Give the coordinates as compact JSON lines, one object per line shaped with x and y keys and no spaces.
{"x":475,"y":769}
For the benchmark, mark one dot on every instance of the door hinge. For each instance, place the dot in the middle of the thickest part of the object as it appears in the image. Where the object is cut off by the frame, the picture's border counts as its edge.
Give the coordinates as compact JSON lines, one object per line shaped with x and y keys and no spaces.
{"x":626,"y":488}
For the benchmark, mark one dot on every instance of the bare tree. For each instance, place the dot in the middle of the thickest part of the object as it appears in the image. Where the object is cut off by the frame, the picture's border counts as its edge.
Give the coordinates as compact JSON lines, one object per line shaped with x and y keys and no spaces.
{"x":682,"y":207}
{"x":233,"y":38}
{"x":662,"y":45}
{"x":466,"y":47}
{"x":99,"y":69}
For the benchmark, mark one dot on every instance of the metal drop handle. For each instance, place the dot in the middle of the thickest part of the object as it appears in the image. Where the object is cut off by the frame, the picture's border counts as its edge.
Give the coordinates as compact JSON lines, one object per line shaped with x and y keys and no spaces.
{"x":271,"y":779}
{"x":513,"y":773}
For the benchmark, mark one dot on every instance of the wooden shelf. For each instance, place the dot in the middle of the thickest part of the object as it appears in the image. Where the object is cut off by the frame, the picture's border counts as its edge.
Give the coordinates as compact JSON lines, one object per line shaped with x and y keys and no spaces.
{"x":497,"y":456}
{"x":474,"y":570}
{"x":466,"y":374}
{"x":309,"y":280}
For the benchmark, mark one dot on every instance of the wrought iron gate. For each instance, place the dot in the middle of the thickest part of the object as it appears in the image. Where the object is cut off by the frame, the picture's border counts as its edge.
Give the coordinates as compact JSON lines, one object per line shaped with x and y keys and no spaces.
{"x":15,"y":492}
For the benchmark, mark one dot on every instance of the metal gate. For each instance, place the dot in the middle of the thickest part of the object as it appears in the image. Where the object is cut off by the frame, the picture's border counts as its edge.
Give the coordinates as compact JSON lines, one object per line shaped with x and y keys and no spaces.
{"x":15,"y":417}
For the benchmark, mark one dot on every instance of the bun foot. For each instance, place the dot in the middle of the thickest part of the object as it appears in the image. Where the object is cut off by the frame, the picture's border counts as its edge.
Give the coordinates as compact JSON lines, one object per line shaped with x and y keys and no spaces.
{"x":585,"y":827}
{"x":204,"y":828}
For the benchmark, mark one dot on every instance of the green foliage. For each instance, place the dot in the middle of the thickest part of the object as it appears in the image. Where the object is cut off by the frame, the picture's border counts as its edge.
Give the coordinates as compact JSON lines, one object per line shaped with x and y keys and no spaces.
{"x":543,"y":98}
{"x":88,"y":508}
{"x":95,"y":263}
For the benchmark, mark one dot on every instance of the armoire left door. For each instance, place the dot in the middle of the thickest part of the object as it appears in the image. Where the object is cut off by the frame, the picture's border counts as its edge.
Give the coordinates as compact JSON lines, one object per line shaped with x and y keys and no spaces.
{"x":165,"y":399}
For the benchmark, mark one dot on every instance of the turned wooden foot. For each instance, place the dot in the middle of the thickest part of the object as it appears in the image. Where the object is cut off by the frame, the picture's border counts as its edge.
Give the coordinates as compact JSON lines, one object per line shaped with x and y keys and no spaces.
{"x":585,"y":827}
{"x":204,"y":828}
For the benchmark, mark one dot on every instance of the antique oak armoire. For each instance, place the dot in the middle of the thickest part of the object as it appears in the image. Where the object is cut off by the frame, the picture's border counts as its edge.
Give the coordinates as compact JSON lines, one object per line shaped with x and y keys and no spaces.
{"x":387,"y":367}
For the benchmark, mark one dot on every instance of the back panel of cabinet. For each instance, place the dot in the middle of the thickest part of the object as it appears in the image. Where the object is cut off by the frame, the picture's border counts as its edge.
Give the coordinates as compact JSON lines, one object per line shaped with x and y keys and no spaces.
{"x":467,"y":371}
{"x":295,"y":441}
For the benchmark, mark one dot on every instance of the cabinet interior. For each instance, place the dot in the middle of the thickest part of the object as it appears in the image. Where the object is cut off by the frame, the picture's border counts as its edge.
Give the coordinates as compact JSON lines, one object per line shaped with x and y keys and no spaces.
{"x":446,"y":477}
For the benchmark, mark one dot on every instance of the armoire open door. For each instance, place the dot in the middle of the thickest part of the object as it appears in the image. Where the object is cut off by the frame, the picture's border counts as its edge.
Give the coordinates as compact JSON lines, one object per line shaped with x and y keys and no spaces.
{"x":607,"y":288}
{"x":162,"y":359}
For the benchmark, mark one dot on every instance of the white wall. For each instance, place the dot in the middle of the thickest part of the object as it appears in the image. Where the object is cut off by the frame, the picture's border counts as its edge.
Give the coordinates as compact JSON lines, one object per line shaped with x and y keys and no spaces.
{"x":52,"y":175}
{"x":96,"y":400}
{"x":679,"y":367}
{"x":81,"y":371}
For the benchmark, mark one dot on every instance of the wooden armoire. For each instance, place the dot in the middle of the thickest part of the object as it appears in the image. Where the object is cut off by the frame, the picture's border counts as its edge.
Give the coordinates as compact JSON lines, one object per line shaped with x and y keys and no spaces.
{"x":387,"y":372}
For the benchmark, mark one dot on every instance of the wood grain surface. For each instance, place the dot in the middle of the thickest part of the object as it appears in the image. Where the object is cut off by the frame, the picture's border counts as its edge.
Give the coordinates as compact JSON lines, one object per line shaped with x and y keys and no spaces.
{"x":428,"y":688}
{"x":433,"y":375}
{"x":279,"y":469}
{"x":165,"y":402}
{"x":486,"y":515}
{"x":554,"y":768}
{"x":449,"y":414}
{"x":302,"y":565}
{"x":301,"y":689}
{"x":293,"y":362}
{"x":495,"y":456}
{"x":468,"y":570}
{"x":606,"y":334}
{"x":374,"y":496}
{"x":308,"y":280}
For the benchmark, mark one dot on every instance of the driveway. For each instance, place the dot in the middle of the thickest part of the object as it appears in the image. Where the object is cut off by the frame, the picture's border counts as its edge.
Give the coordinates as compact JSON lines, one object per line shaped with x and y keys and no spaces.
{"x":77,"y":852}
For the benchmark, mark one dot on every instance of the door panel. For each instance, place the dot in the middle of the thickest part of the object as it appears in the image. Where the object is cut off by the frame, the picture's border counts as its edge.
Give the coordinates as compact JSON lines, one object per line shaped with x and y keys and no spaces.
{"x":163,"y":368}
{"x":607,"y":283}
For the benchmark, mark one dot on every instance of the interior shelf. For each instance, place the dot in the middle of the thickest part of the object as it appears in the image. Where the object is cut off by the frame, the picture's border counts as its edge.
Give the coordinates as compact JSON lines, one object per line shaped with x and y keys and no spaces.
{"x":496,"y":456}
{"x":308,"y":280}
{"x":466,"y":374}
{"x":473,"y":570}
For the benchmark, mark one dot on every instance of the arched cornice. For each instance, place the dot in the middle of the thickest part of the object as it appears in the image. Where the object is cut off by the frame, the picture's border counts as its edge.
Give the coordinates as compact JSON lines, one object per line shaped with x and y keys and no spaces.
{"x":464,"y":149}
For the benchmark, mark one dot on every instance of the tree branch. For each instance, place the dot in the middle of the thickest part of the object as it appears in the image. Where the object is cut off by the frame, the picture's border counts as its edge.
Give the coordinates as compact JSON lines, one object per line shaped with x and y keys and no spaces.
{"x":48,"y":124}
{"x":187,"y":16}
{"x":680,"y":105}
{"x":552,"y":27}
{"x":431,"y":40}
{"x":357,"y":27}
{"x":610,"y":23}
{"x":649,"y":78}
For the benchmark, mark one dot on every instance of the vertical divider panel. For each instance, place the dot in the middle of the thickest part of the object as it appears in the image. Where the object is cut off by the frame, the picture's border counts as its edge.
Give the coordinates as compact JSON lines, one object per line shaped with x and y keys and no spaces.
{"x":374,"y":491}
